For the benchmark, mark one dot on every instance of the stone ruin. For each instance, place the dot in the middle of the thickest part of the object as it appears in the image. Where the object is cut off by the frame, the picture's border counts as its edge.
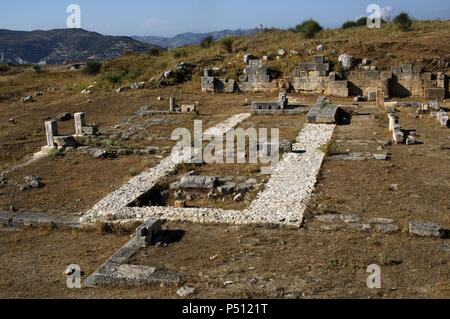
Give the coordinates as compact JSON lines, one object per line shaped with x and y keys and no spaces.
{"x":315,"y":78}
{"x":174,"y":108}
{"x":318,"y":77}
{"x":281,"y":106}
{"x":256,"y":77}
{"x":324,"y":112}
{"x":56,"y":141}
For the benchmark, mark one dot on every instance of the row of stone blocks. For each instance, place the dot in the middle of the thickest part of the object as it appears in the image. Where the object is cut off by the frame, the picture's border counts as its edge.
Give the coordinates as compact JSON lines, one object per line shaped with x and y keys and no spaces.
{"x":115,"y":271}
{"x":323,"y":112}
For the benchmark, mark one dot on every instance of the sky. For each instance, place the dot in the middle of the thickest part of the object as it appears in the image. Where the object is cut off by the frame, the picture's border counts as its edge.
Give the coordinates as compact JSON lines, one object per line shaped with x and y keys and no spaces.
{"x":171,"y":17}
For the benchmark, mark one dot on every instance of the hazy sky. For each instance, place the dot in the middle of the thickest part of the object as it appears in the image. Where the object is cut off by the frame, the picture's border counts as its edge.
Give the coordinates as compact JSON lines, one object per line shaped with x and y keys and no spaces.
{"x":170,"y":17}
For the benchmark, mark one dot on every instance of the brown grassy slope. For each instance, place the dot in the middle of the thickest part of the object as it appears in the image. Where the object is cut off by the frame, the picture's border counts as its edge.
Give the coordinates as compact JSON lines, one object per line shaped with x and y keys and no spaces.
{"x":427,"y":41}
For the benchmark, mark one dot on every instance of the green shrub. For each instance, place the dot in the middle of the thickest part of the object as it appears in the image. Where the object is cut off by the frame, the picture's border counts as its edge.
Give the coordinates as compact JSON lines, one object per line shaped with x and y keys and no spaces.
{"x":154,"y":52}
{"x":361,"y":22}
{"x":403,"y":21}
{"x":309,"y":28}
{"x":37,"y":69}
{"x":349,"y":24}
{"x":179,"y":54}
{"x":92,"y":68}
{"x":227,"y":44}
{"x":114,"y":77}
{"x":207,"y":42}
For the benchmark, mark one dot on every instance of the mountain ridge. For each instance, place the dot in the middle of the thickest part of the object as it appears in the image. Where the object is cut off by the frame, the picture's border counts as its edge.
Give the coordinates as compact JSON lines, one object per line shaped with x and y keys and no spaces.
{"x":191,"y":38}
{"x":60,"y":45}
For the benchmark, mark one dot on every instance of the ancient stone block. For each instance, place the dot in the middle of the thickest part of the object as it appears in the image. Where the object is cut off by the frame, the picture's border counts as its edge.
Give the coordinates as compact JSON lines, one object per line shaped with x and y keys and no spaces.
{"x":65,"y":141}
{"x":172,"y":104}
{"x":51,"y":130}
{"x":434,"y":93}
{"x":425,"y":229}
{"x":80,"y":122}
{"x":199,"y":182}
{"x":319,"y":59}
{"x":146,"y":232}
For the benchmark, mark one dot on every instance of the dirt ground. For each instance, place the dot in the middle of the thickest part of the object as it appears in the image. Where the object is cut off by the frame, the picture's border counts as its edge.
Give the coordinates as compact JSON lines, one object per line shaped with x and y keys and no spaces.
{"x":228,"y":261}
{"x":73,"y":183}
{"x":233,"y":262}
{"x":421,"y":173}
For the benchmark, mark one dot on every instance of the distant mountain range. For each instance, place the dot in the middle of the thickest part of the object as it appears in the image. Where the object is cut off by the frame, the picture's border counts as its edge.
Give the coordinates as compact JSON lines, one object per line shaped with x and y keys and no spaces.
{"x":191,"y":38}
{"x":60,"y":45}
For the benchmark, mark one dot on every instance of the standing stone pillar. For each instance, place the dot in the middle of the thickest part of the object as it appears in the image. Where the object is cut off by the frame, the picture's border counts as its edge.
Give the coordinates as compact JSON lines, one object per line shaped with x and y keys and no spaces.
{"x":80,"y":122}
{"x":173,"y":103}
{"x":380,"y":98}
{"x":51,"y":130}
{"x":282,"y":100}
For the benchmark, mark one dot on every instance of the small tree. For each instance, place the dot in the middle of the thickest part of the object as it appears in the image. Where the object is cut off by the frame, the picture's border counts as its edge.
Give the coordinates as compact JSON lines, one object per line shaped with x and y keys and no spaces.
{"x":92,"y":67}
{"x":349,"y":24}
{"x":227,"y":44}
{"x":361,"y":22}
{"x":309,"y":28}
{"x":37,"y":68}
{"x":403,"y":21}
{"x":207,"y":42}
{"x":154,"y":52}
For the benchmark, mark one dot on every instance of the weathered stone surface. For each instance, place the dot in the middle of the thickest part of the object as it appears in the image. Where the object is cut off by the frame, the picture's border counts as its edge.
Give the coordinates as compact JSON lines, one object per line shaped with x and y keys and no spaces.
{"x":426,"y":229}
{"x":32,"y":182}
{"x":65,"y":141}
{"x":200,"y":182}
{"x":347,"y":61}
{"x":327,"y":218}
{"x":80,"y":122}
{"x":348,"y":219}
{"x":51,"y":130}
{"x":184,"y":292}
{"x":146,"y":232}
{"x":386,"y":228}
{"x":66,"y":116}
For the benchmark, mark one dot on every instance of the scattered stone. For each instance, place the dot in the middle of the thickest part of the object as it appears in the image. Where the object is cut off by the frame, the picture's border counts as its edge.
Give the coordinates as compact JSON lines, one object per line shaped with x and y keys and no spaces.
{"x":185,"y":291}
{"x":85,"y":92}
{"x":180,"y":204}
{"x":27,"y":99}
{"x":320,"y":48}
{"x":333,"y":227}
{"x":360,"y":227}
{"x":238,"y":198}
{"x":281,"y":52}
{"x":349,"y":219}
{"x":248,"y":58}
{"x":327,"y":218}
{"x":102,"y":154}
{"x":3,"y":180}
{"x":426,"y":229}
{"x":200,"y":182}
{"x":381,"y":221}
{"x":386,"y":228}
{"x":160,"y":98}
{"x":32,"y":182}
{"x":347,"y":61}
{"x":124,"y":152}
{"x":227,"y":188}
{"x":123,"y":89}
{"x":65,"y":141}
{"x":137,"y":86}
{"x":65,"y":116}
{"x":394,"y":187}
